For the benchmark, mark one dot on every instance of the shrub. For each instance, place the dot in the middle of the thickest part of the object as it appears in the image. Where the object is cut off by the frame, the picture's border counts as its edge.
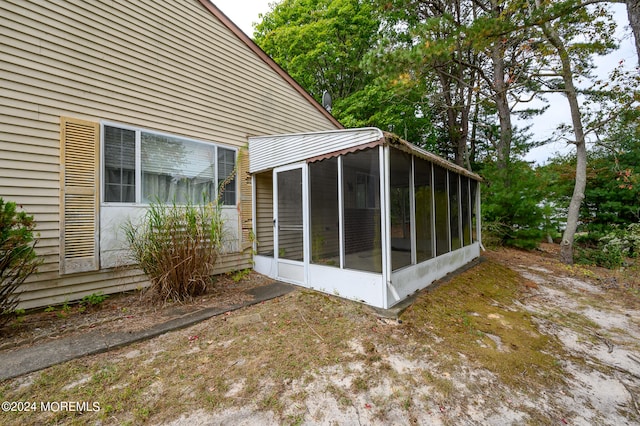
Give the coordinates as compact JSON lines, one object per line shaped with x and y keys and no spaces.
{"x":177,"y":247}
{"x":512,"y":209}
{"x":613,"y":247}
{"x":17,"y":255}
{"x":626,"y":240}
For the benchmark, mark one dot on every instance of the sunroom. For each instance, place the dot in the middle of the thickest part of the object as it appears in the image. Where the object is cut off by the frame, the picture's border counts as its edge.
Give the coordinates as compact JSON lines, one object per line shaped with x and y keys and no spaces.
{"x":360,"y":213}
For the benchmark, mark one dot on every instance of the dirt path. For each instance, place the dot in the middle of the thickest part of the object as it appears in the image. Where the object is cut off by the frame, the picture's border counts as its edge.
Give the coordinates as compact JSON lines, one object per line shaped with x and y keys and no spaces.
{"x":602,"y":337}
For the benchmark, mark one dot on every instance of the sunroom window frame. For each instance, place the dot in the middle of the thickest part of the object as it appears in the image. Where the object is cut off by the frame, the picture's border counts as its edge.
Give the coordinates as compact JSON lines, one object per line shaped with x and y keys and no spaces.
{"x":138,"y":162}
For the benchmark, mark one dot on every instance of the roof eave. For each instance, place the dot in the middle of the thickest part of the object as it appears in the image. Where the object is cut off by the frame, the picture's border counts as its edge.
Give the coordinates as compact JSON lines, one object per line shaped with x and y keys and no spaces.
{"x":394,"y":140}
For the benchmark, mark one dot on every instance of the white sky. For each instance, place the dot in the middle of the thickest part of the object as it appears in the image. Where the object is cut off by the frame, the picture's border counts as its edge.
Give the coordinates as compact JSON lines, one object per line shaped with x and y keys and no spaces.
{"x":246,"y":12}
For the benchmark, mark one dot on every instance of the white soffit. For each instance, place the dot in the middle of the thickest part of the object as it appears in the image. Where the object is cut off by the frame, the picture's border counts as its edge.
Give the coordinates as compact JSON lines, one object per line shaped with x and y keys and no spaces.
{"x":267,"y":152}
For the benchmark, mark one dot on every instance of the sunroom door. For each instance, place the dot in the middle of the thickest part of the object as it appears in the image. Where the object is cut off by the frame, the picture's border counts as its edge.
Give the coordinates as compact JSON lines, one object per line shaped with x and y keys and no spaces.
{"x":289,"y":213}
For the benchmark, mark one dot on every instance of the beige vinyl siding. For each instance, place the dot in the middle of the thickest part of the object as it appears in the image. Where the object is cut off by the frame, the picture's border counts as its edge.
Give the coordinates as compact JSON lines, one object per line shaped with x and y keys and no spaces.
{"x":178,"y":82}
{"x":165,"y":66}
{"x":264,"y":213}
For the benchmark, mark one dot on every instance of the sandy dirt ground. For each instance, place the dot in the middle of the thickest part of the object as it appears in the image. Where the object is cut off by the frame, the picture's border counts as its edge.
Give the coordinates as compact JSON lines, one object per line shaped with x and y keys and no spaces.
{"x":594,"y":319}
{"x":602,"y":371}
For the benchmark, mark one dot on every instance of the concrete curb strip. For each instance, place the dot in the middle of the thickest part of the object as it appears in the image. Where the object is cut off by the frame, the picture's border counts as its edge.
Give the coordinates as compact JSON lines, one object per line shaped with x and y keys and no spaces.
{"x":42,"y":355}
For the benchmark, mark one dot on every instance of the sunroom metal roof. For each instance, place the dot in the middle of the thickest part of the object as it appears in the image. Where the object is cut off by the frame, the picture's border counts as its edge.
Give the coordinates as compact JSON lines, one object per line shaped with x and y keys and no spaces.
{"x":268,"y":152}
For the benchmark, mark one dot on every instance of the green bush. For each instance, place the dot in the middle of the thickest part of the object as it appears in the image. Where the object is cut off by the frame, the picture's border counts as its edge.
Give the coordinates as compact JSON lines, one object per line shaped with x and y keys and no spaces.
{"x":626,"y":240}
{"x":17,"y":255}
{"x":613,"y":248}
{"x":512,"y":209}
{"x":177,"y":247}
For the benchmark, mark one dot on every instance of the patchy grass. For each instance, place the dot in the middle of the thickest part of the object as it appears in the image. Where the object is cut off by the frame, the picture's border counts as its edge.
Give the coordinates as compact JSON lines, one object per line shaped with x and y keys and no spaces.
{"x":271,"y":355}
{"x":473,"y":314}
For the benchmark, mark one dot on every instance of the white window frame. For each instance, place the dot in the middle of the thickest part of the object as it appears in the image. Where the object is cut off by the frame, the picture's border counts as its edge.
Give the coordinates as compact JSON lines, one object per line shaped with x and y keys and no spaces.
{"x":138,"y":162}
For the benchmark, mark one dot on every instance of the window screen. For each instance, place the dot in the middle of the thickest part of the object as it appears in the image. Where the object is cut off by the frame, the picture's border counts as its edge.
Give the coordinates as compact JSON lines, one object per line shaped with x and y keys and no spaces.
{"x":226,"y":176}
{"x":119,"y":165}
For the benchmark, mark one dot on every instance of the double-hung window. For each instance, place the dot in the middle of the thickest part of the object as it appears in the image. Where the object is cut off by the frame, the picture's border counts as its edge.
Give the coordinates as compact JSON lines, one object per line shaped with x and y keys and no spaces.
{"x":144,"y":167}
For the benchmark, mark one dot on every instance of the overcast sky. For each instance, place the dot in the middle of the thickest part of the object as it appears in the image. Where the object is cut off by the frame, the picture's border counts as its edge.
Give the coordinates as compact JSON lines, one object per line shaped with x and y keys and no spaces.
{"x":246,"y":12}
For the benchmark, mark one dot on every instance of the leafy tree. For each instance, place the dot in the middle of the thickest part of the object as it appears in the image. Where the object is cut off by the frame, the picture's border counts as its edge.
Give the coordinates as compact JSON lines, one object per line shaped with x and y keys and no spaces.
{"x":633,"y":12}
{"x":450,"y":75}
{"x":565,"y":49}
{"x":398,"y":106}
{"x":613,"y":182}
{"x":420,"y":44}
{"x":478,"y":55}
{"x":320,"y":43}
{"x":612,"y":194}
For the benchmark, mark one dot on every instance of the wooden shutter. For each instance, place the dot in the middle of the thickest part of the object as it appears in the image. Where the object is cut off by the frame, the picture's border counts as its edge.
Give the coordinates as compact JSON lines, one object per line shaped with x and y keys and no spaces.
{"x":79,"y":143}
{"x":246,"y":212}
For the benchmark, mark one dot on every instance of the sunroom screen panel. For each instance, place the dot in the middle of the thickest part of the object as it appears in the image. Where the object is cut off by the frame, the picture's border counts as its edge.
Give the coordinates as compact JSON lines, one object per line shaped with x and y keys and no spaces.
{"x":399,"y":181}
{"x":290,"y":221}
{"x":424,"y":210}
{"x":325,"y":221}
{"x":362,"y":222}
{"x":454,"y":210}
{"x":466,"y":210}
{"x":441,"y":198}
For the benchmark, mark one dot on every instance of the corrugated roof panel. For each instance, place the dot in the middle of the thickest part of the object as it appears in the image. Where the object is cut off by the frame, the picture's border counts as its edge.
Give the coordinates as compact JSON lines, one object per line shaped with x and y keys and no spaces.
{"x":267,"y":152}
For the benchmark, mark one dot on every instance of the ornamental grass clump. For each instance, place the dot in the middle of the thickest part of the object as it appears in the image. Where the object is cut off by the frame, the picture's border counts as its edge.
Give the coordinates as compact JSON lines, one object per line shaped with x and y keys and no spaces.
{"x":18,"y":258}
{"x":177,"y":247}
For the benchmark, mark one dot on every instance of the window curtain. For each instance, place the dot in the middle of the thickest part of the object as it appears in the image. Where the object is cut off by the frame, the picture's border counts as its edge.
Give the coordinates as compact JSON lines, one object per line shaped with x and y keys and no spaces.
{"x":176,"y":170}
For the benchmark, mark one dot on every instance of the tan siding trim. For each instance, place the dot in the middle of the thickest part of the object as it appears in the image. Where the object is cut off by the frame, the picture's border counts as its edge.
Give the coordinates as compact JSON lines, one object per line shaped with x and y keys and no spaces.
{"x":29,"y":149}
{"x":79,"y":202}
{"x":35,"y":192}
{"x":25,"y":182}
{"x":264,"y":212}
{"x":173,"y":61}
{"x":108,"y":276}
{"x":40,"y":177}
{"x":51,"y":289}
{"x":109,"y":72}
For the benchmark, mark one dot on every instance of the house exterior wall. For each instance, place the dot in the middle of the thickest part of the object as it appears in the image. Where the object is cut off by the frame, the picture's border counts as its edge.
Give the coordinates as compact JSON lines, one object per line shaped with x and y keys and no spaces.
{"x":170,"y":67}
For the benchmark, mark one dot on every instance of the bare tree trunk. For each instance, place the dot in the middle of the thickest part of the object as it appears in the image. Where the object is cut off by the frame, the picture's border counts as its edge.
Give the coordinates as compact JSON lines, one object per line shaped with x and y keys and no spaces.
{"x":633,"y":12}
{"x":502,"y":105}
{"x":500,"y":88}
{"x":566,"y":246}
{"x":457,"y":114}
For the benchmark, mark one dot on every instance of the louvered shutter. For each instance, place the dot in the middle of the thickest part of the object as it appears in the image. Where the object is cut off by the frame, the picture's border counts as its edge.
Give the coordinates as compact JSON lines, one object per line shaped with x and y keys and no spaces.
{"x":246,"y":212}
{"x":79,"y":142}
